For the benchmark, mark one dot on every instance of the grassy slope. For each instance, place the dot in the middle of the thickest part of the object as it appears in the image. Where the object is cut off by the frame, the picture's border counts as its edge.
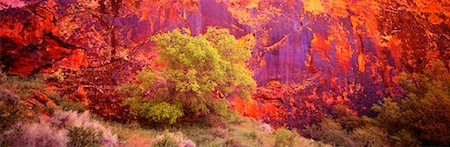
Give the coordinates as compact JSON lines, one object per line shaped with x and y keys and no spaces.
{"x":210,"y":132}
{"x":241,"y":132}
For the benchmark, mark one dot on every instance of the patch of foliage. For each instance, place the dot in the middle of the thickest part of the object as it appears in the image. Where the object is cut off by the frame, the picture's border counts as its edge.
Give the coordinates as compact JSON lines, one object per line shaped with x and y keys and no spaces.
{"x":285,"y":138}
{"x":68,"y":105}
{"x":70,"y":119}
{"x":419,"y":117}
{"x":24,"y":87}
{"x":82,"y":137}
{"x":19,"y":128}
{"x":10,"y":113}
{"x":166,"y":141}
{"x":422,"y":116}
{"x":197,"y":72}
{"x":217,"y":133}
{"x":41,"y":134}
{"x":333,"y":132}
{"x":156,"y":111}
{"x":65,"y":103}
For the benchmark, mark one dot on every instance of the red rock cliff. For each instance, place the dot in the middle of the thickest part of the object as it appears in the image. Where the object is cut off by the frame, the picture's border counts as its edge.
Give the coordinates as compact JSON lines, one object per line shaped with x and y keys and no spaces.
{"x":310,"y":54}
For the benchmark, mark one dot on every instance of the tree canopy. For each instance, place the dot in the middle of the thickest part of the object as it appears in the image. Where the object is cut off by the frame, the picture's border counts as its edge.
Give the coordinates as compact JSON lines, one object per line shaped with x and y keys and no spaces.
{"x":422,"y":116}
{"x":198,"y":72}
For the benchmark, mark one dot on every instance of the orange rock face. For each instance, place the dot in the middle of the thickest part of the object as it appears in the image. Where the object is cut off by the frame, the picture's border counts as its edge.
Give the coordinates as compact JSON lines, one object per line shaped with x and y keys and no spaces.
{"x":309,"y":54}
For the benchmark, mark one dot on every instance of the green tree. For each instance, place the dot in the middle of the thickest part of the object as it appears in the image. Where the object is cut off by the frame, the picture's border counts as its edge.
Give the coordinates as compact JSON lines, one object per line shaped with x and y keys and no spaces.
{"x":422,"y":116}
{"x":197,"y":73}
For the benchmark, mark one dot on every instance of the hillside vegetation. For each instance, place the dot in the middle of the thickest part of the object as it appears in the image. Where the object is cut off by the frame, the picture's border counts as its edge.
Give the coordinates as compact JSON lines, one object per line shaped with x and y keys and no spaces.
{"x":418,"y":117}
{"x":29,"y":121}
{"x":181,"y":103}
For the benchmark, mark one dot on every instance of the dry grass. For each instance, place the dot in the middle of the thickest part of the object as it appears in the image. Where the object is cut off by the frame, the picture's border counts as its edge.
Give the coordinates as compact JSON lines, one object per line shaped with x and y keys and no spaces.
{"x":244,"y":132}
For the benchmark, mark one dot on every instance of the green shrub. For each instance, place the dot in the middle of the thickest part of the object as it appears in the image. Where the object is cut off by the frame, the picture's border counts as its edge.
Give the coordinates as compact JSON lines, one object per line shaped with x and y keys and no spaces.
{"x":233,"y":143}
{"x":10,"y":112}
{"x":333,"y":132}
{"x":65,"y":103}
{"x":71,"y":119}
{"x":420,"y":117}
{"x":250,"y":135}
{"x":330,"y":132}
{"x":84,"y":137}
{"x":285,"y":138}
{"x":198,"y":73}
{"x":41,"y":134}
{"x":217,"y":142}
{"x":54,"y":96}
{"x":166,"y":141}
{"x":160,"y":112}
{"x":24,"y":87}
{"x":68,"y":105}
{"x":9,"y":116}
{"x":370,"y":136}
{"x":50,"y":109}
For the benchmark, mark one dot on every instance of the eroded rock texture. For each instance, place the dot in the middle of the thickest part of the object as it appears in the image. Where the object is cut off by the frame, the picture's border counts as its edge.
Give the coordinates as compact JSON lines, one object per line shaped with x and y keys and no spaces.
{"x":310,"y":55}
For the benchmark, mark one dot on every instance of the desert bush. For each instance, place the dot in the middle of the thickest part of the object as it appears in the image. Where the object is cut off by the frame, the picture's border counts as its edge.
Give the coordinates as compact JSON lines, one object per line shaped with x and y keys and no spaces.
{"x":65,"y":103}
{"x":69,"y":119}
{"x":285,"y":138}
{"x":24,"y":87}
{"x":333,"y":132}
{"x":41,"y":134}
{"x":10,"y":136}
{"x":330,"y":132}
{"x":250,"y":135}
{"x":68,"y":105}
{"x":83,"y":137}
{"x":421,"y":116}
{"x":168,"y":139}
{"x":10,"y":113}
{"x":9,"y":98}
{"x":370,"y":136}
{"x":233,"y":142}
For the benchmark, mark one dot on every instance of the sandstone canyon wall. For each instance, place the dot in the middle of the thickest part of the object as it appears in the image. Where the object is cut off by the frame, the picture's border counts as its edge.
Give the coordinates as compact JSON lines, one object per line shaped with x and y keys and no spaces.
{"x":309,"y":56}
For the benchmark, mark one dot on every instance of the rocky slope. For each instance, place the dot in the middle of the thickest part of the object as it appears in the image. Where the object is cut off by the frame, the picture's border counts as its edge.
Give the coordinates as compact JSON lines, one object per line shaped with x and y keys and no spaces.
{"x":309,"y":56}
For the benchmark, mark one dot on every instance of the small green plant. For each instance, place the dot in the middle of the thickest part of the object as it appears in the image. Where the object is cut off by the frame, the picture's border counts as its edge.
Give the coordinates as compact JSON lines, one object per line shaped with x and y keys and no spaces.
{"x":58,"y":75}
{"x":232,"y":142}
{"x":166,"y":141}
{"x":65,"y":103}
{"x":69,"y":120}
{"x":24,"y":87}
{"x":250,"y":135}
{"x":285,"y":138}
{"x":50,"y":109}
{"x":68,"y":105}
{"x":82,"y":137}
{"x":10,"y":112}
